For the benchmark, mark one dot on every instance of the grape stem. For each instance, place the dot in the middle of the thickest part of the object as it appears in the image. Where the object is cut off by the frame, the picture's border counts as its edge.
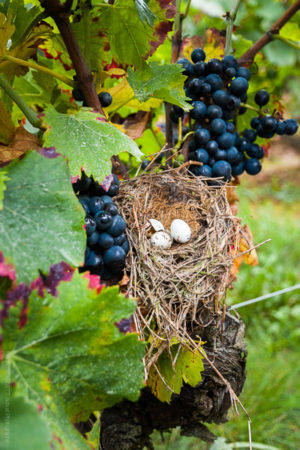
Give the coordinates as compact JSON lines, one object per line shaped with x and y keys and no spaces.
{"x":249,"y":55}
{"x":32,"y":65}
{"x":230,"y":18}
{"x":30,"y":114}
{"x":245,"y":105}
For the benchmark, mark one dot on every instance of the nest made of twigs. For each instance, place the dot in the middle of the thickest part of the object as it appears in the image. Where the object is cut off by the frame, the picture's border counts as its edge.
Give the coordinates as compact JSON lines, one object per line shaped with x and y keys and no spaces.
{"x":182,"y":286}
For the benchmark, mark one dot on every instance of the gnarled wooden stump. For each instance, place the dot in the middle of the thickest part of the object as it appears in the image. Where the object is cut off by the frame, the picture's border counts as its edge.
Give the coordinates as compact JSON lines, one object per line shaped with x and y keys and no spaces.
{"x":127,"y":425}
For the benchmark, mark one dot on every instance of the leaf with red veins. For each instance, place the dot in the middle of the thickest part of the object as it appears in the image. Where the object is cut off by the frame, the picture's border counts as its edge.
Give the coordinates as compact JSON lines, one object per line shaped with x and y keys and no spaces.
{"x":106,"y":183}
{"x":169,"y":6}
{"x":160,"y":34}
{"x":125,"y":325}
{"x":49,"y":152}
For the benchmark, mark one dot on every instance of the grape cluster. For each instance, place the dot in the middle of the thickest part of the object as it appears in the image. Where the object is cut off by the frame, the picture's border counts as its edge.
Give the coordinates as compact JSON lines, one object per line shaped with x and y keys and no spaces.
{"x":107,"y":245}
{"x":218,"y":90}
{"x":104,"y":97}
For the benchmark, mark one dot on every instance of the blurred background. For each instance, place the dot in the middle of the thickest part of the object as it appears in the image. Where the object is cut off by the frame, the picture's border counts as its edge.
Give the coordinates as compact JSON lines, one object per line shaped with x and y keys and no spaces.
{"x":270,"y":205}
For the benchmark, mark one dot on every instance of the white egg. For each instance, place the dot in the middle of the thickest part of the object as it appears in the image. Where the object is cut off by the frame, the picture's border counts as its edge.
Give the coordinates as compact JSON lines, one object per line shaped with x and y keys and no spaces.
{"x":161,"y":239}
{"x":156,"y":225}
{"x":180,"y":231}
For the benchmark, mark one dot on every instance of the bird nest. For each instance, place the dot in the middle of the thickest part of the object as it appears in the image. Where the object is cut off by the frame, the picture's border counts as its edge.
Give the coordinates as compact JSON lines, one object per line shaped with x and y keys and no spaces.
{"x":181,"y":288}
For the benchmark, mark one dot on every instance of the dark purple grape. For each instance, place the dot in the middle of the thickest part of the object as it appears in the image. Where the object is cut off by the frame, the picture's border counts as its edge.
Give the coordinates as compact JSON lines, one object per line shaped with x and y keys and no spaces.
{"x":280,"y":128}
{"x":188,"y":68}
{"x":84,"y":201}
{"x":222,"y":169}
{"x":103,"y":220}
{"x":106,"y":199}
{"x":198,"y":111}
{"x":201,"y":136}
{"x":96,"y":204}
{"x":201,"y":155}
{"x":205,"y":89}
{"x":230,"y":72}
{"x":198,"y":54}
{"x":212,"y":147}
{"x":238,"y":169}
{"x":250,"y":135}
{"x":204,"y":171}
{"x":233,"y":155}
{"x":239,"y":86}
{"x":220,"y":154}
{"x":244,"y":72}
{"x":93,"y":239}
{"x":215,"y":81}
{"x":120,"y":239}
{"x":226,"y":140}
{"x":255,"y":151}
{"x":117,"y":226}
{"x":199,"y":68}
{"x":105,"y":240}
{"x":113,"y":190}
{"x":230,"y":127}
{"x":114,"y":259}
{"x":214,"y":112}
{"x":105,"y":99}
{"x":261,"y":97}
{"x":253,"y":166}
{"x":195,"y":87}
{"x":126,"y":246}
{"x":229,"y":61}
{"x":221,"y":98}
{"x":218,"y":126}
{"x":291,"y":126}
{"x":214,"y":66}
{"x":111,"y":208}
{"x":255,"y":122}
{"x":90,"y":225}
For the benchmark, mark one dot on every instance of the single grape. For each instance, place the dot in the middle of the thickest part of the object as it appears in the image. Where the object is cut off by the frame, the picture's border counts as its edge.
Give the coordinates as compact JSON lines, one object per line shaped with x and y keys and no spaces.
{"x":198,"y":111}
{"x":238,"y":86}
{"x":93,"y":238}
{"x":212,"y":147}
{"x":78,"y":94}
{"x":233,"y":103}
{"x":230,"y":72}
{"x":255,"y":151}
{"x":195,"y":88}
{"x":202,"y":155}
{"x":226,"y":140}
{"x":222,"y":169}
{"x":230,"y":127}
{"x":250,"y":135}
{"x":221,"y":98}
{"x":233,"y":155}
{"x":280,"y":128}
{"x":201,"y":136}
{"x":106,"y":199}
{"x":84,"y":201}
{"x":214,"y":112}
{"x":198,"y":54}
{"x":218,"y":126}
{"x":253,"y":166}
{"x":105,"y":99}
{"x":205,"y":89}
{"x":199,"y":68}
{"x":255,"y":122}
{"x":105,"y":240}
{"x":114,"y":258}
{"x":126,"y":246}
{"x":117,"y":226}
{"x":113,"y":190}
{"x":145,"y":163}
{"x":291,"y":126}
{"x":261,"y":97}
{"x":244,"y":72}
{"x":103,"y":220}
{"x":120,"y":239}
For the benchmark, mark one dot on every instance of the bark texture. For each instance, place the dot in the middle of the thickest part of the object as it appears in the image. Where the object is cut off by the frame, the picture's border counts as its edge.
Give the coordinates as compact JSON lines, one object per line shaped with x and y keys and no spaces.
{"x":128,"y":426}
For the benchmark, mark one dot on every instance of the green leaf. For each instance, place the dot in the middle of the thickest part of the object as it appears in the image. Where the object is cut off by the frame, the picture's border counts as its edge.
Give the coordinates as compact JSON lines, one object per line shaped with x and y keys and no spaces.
{"x":86,"y":141}
{"x":41,"y":222}
{"x":24,"y":19}
{"x":187,"y":368}
{"x":72,"y":352}
{"x":21,"y":424}
{"x":144,"y":12}
{"x":136,"y":40}
{"x":291,"y":31}
{"x":3,"y":179}
{"x":164,"y":82}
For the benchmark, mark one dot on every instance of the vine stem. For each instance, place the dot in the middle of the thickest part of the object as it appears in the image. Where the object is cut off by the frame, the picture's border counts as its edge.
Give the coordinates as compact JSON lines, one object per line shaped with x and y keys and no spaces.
{"x":230,"y":18}
{"x":56,"y":10}
{"x":30,"y":114}
{"x":249,"y":55}
{"x":31,"y":65}
{"x":245,"y":105}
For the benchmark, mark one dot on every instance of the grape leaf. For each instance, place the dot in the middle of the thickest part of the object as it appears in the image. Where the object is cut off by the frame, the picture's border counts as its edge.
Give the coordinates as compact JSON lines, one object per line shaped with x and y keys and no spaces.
{"x":23,"y":19}
{"x":144,"y":12}
{"x":41,"y":222}
{"x":188,"y":368}
{"x":123,"y":94}
{"x":291,"y":30}
{"x":22,"y":425}
{"x":164,"y":82}
{"x":136,"y":40}
{"x":86,"y":141}
{"x":71,"y":350}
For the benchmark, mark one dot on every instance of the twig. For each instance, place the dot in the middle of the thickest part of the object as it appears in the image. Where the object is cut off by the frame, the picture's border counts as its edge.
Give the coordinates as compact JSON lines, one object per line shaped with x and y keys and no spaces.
{"x":32,"y":65}
{"x":84,"y":77}
{"x":249,"y":55}
{"x":265,"y":297}
{"x":230,"y":18}
{"x":30,"y":114}
{"x":252,"y":248}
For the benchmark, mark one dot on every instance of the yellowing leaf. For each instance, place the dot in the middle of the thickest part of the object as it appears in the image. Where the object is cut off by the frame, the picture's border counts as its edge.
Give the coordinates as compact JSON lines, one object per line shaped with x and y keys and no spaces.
{"x":212,"y":42}
{"x":187,"y":368}
{"x":123,"y":95}
{"x":7,"y":30}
